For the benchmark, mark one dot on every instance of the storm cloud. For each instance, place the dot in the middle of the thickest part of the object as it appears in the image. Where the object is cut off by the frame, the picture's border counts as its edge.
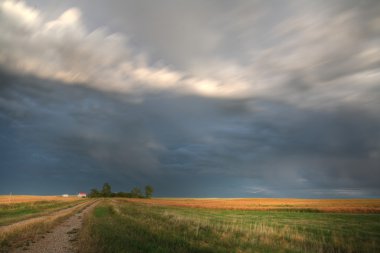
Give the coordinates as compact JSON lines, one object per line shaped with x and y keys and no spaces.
{"x":216,"y":99}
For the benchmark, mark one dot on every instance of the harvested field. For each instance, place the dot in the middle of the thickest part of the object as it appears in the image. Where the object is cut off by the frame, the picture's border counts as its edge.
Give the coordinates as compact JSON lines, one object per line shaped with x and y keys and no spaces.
{"x":316,"y":205}
{"x":130,"y":226}
{"x":193,"y":225}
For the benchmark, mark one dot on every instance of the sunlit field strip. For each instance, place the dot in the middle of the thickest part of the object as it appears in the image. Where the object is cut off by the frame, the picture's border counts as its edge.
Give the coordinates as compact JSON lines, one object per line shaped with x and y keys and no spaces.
{"x":321,"y":205}
{"x":11,"y":199}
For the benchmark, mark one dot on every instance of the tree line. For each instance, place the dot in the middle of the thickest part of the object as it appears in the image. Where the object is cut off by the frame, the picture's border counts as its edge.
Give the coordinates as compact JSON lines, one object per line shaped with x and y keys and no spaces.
{"x":106,"y":192}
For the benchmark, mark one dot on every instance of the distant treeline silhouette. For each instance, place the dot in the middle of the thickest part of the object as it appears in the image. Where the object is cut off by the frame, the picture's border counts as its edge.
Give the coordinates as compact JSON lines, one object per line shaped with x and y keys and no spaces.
{"x":106,"y":192}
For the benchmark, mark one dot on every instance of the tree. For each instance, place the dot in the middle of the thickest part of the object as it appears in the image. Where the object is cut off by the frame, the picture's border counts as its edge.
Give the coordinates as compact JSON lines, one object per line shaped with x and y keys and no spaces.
{"x":148,"y":191}
{"x":94,"y":193}
{"x":106,"y":190}
{"x":136,"y":192}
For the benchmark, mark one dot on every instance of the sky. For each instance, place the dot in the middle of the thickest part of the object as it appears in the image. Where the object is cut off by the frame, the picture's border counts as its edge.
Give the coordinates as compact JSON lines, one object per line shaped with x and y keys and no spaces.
{"x":196,"y":98}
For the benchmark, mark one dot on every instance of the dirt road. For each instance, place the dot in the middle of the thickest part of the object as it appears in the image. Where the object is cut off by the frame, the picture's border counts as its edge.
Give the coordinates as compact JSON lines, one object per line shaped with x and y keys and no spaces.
{"x":30,"y":221}
{"x":60,"y":239}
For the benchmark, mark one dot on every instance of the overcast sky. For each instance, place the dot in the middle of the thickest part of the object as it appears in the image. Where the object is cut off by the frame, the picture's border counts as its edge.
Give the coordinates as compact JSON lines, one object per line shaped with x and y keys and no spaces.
{"x":197,"y":98}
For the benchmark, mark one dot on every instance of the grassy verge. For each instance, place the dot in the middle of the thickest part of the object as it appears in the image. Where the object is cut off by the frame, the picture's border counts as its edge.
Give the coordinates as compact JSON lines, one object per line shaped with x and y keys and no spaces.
{"x":10,"y":213}
{"x":119,"y":226}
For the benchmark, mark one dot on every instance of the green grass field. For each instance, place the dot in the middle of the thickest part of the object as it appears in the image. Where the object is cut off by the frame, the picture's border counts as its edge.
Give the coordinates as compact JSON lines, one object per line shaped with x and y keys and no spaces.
{"x":121,"y":226}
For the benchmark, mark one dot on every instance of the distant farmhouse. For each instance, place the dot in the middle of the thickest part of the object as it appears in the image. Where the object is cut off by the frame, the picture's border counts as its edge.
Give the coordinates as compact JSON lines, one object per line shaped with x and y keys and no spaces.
{"x":82,"y":195}
{"x":65,"y":195}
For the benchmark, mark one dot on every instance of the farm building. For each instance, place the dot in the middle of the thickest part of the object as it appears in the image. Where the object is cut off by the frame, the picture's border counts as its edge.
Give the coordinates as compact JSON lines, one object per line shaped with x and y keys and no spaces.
{"x":65,"y":195}
{"x":82,"y":195}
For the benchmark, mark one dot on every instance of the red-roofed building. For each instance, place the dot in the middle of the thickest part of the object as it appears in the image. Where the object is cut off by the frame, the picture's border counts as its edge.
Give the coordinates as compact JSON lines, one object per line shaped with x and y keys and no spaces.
{"x":82,"y":195}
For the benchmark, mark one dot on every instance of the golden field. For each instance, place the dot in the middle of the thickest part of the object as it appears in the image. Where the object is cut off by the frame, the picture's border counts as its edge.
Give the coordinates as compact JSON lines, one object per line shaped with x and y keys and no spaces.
{"x":12,"y":199}
{"x":321,"y":205}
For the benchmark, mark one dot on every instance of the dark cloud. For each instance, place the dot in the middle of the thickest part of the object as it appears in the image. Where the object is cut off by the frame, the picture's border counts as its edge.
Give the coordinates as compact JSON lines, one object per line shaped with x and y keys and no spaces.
{"x":57,"y":137}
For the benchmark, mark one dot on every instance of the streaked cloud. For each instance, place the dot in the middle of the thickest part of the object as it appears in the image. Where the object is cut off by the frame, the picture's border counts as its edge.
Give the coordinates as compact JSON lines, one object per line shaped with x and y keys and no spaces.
{"x":311,"y":55}
{"x":63,"y":49}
